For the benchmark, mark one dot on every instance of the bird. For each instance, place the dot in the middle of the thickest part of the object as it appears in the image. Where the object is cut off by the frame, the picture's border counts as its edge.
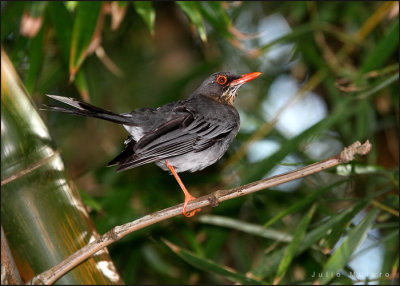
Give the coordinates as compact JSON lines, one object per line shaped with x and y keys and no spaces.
{"x":185,"y":135}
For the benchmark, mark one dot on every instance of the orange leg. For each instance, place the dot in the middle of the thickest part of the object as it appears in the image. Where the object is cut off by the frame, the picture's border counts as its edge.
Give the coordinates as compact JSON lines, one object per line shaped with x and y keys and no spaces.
{"x":188,"y":196}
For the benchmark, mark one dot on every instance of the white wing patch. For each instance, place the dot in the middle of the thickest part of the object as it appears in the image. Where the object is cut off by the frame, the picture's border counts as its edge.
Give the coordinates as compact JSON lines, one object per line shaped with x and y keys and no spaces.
{"x":135,"y":131}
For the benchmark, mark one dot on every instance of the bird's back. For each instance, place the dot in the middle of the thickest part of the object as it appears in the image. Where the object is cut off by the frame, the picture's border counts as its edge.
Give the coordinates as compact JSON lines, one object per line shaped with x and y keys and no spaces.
{"x":192,"y":134}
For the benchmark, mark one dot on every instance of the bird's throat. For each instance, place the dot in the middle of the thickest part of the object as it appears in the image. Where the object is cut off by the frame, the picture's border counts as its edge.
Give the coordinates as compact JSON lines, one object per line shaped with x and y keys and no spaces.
{"x":227,"y":98}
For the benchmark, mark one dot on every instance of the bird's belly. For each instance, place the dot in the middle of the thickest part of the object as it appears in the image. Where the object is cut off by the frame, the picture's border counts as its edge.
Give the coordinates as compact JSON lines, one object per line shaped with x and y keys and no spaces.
{"x":195,"y":161}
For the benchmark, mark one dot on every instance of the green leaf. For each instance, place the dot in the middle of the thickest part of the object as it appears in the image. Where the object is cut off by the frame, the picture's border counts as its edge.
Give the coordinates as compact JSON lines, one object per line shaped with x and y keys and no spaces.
{"x":380,"y":85}
{"x":35,"y":60}
{"x":192,"y":10}
{"x":217,"y":239}
{"x":337,"y":230}
{"x":364,"y":113}
{"x":382,"y":241}
{"x":87,"y":14}
{"x":220,"y":13}
{"x":90,"y":202}
{"x":146,"y":11}
{"x":383,"y":50}
{"x":341,"y":219}
{"x":391,"y":253}
{"x":250,"y":228}
{"x":71,"y":5}
{"x":122,"y":3}
{"x":343,"y":253}
{"x":62,"y":22}
{"x":36,"y":8}
{"x":294,"y":245}
{"x":82,"y":85}
{"x":300,"y":204}
{"x":269,"y":262}
{"x":51,"y":74}
{"x":11,"y":17}
{"x":211,"y":266}
{"x":192,"y":240}
{"x":216,"y":16}
{"x":157,"y":262}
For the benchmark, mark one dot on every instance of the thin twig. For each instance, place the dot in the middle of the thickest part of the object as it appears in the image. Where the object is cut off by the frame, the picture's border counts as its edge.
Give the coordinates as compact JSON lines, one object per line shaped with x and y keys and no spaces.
{"x":9,"y":271}
{"x":213,"y":199}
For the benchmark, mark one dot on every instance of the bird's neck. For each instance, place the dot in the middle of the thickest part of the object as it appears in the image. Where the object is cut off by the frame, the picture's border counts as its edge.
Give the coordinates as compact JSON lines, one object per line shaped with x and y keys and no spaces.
{"x":227,"y":100}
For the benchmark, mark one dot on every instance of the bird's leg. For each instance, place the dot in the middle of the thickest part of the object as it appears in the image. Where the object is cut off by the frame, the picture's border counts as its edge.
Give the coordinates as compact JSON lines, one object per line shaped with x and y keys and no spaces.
{"x":188,"y":196}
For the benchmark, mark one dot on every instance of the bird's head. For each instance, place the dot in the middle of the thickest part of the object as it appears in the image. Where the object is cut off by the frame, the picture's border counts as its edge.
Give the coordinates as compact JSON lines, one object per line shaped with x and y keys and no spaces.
{"x":223,"y":86}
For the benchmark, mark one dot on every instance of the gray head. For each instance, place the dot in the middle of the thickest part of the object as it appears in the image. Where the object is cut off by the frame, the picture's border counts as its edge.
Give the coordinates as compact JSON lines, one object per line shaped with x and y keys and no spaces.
{"x":223,"y":86}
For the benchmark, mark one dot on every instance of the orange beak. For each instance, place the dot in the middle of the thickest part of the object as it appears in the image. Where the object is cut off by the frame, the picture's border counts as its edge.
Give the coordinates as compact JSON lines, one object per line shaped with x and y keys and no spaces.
{"x":245,"y":78}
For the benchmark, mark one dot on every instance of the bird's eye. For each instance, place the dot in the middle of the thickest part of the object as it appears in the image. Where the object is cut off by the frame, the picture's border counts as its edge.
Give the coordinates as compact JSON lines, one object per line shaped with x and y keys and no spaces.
{"x":221,"y":79}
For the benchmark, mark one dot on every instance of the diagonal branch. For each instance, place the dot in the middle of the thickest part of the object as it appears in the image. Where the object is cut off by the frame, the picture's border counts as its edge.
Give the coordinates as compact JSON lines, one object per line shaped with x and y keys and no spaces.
{"x":213,"y":199}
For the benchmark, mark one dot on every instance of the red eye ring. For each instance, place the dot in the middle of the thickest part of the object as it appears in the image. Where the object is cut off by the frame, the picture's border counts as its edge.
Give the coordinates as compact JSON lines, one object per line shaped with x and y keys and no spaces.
{"x":221,"y":79}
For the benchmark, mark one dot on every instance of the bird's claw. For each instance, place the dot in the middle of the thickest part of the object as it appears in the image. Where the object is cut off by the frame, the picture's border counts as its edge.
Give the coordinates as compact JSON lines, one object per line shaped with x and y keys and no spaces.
{"x":187,"y":200}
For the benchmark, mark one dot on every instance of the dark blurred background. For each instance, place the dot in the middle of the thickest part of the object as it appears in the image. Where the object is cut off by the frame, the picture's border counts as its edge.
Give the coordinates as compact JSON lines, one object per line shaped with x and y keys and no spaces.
{"x":330,"y":78}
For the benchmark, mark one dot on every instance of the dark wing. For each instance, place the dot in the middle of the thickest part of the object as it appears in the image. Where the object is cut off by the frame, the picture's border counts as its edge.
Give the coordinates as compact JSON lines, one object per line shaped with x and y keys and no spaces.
{"x":178,"y":136}
{"x":128,"y":151}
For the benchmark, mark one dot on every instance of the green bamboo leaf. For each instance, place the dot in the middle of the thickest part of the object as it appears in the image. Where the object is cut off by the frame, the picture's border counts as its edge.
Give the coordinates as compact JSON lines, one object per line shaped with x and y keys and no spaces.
{"x":193,"y":242}
{"x":220,"y":14}
{"x":382,"y":241}
{"x":36,"y":8}
{"x":343,"y":253}
{"x":333,"y":226}
{"x":146,"y":11}
{"x":250,"y":228}
{"x":267,"y":265}
{"x":391,"y":254}
{"x":295,"y":244}
{"x":11,"y":17}
{"x":365,"y":113}
{"x":62,"y":22}
{"x":71,"y":5}
{"x":269,"y":262}
{"x":35,"y":59}
{"x":211,"y":266}
{"x":51,"y":74}
{"x":383,"y":50}
{"x":90,"y":202}
{"x":82,"y":85}
{"x":122,"y":3}
{"x":216,"y":16}
{"x":212,"y":247}
{"x":87,"y":14}
{"x":157,"y":262}
{"x":302,"y":203}
{"x":380,"y":85}
{"x":192,"y":10}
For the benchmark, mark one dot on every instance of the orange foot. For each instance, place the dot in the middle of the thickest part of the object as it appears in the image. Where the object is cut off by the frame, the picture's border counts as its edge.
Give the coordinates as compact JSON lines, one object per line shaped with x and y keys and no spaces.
{"x":189,"y":198}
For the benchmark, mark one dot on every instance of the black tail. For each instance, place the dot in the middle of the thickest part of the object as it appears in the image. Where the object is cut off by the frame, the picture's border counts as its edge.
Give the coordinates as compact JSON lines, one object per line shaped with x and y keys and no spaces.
{"x":85,"y":109}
